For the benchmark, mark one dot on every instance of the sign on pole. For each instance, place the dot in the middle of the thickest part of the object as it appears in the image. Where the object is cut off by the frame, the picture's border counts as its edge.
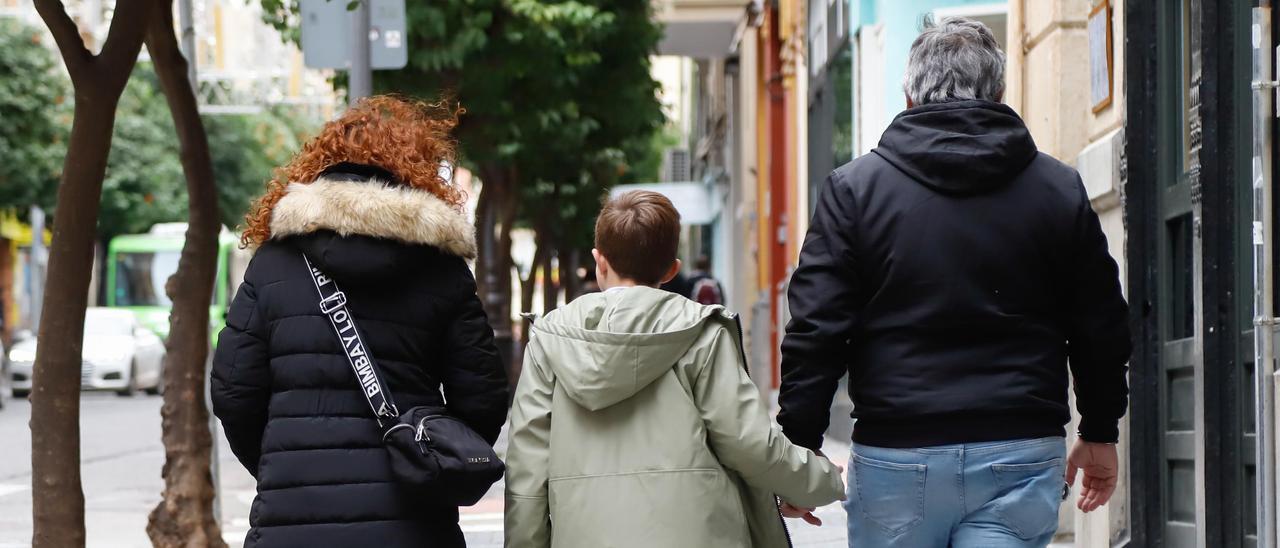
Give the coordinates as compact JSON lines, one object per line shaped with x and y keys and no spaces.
{"x":326,"y":33}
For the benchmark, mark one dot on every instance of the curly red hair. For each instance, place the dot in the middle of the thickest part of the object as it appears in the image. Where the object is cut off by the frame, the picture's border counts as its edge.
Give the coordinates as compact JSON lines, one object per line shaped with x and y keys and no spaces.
{"x":409,"y":138}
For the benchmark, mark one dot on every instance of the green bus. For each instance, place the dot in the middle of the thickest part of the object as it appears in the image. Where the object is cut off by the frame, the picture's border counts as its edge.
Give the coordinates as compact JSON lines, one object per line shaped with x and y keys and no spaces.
{"x":138,"y":265}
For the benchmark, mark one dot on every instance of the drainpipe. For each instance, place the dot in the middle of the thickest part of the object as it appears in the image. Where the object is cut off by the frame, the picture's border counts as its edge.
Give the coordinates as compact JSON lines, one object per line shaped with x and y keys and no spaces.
{"x":1263,"y":280}
{"x":776,"y":114}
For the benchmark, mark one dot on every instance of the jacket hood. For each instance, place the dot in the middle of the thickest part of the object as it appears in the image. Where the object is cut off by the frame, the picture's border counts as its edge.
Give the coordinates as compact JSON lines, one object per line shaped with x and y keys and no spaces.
{"x":605,"y":347}
{"x":961,"y":147}
{"x":350,"y":206}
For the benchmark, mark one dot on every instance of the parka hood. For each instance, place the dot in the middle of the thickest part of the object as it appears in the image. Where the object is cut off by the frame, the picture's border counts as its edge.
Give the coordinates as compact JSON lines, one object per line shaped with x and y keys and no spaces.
{"x":606,"y":347}
{"x":362,"y":229}
{"x":960,"y":147}
{"x":371,"y":207}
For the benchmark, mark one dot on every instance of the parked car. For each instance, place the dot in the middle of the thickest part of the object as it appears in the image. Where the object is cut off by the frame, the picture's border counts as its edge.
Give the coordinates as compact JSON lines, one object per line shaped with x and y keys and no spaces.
{"x":119,"y":354}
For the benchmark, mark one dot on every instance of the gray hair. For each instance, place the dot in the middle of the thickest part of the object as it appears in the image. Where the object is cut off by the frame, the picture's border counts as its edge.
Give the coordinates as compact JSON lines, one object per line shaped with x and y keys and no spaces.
{"x":956,"y":60}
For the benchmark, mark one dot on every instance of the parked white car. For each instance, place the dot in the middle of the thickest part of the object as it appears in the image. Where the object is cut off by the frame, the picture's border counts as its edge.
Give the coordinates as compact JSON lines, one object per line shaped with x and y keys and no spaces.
{"x":118,"y":355}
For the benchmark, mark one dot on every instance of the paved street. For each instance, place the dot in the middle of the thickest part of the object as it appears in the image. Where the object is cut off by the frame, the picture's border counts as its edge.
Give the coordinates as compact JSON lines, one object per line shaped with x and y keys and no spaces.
{"x":122,"y":456}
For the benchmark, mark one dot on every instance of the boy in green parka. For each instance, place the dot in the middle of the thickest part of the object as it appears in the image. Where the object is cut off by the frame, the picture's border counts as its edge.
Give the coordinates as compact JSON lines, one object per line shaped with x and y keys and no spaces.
{"x":635,"y":423}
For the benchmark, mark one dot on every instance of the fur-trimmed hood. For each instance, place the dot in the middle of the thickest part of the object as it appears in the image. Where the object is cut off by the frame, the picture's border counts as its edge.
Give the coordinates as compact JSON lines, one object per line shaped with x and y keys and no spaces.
{"x":373,"y":208}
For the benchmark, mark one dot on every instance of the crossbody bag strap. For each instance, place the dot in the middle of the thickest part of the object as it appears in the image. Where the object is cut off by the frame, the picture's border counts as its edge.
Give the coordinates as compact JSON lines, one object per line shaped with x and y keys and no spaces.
{"x":333,"y":304}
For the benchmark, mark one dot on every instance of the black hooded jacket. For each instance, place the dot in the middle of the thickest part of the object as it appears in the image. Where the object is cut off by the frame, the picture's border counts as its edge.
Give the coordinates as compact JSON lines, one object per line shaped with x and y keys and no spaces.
{"x":286,"y":395}
{"x":954,"y":273}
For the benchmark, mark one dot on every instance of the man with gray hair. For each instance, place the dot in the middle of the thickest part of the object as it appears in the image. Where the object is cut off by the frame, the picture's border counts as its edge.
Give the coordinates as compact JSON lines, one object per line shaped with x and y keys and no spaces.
{"x":959,"y":277}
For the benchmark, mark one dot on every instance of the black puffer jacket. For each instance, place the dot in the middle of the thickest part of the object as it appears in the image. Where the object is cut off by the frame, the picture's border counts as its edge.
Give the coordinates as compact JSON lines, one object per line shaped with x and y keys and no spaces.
{"x":952,"y":273}
{"x":287,"y":397}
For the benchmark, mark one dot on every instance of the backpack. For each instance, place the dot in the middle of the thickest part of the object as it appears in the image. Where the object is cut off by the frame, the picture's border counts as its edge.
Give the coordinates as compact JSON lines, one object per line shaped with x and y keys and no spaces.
{"x":706,"y":290}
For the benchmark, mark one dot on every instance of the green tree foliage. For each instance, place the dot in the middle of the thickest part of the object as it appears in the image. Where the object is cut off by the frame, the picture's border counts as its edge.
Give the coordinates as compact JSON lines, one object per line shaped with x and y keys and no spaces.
{"x":557,"y":91}
{"x":245,"y":150}
{"x":34,"y":95}
{"x":145,"y":184}
{"x":615,"y":101}
{"x":559,"y":103}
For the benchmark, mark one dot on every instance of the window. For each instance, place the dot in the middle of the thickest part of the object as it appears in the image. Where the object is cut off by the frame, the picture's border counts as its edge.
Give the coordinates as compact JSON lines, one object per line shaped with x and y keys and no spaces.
{"x":140,"y":277}
{"x":1181,"y":289}
{"x":841,"y":78}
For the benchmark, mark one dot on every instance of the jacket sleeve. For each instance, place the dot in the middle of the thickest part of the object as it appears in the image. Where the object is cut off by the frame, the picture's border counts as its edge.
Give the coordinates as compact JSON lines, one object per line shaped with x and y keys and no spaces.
{"x":474,"y":378}
{"x":824,"y":302}
{"x":1098,"y":334}
{"x":741,"y":435}
{"x":240,"y":383}
{"x":528,"y":515}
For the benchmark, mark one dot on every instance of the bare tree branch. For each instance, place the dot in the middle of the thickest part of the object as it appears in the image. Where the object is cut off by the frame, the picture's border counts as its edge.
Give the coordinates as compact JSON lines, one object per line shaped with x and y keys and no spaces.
{"x":66,"y":34}
{"x":160,"y":40}
{"x":124,"y":40}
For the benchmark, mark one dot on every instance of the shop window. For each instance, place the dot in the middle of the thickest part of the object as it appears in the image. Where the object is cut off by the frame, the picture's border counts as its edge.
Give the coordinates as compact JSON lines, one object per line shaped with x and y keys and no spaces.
{"x":1181,"y":319}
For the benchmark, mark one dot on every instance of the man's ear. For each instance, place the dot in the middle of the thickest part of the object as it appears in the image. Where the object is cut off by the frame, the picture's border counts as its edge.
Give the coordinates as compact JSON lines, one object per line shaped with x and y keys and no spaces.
{"x":910,"y":103}
{"x":675,"y":269}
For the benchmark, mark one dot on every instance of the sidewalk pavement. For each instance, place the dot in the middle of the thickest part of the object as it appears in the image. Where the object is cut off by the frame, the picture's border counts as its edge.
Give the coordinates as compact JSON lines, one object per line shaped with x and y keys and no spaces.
{"x":482,"y":523}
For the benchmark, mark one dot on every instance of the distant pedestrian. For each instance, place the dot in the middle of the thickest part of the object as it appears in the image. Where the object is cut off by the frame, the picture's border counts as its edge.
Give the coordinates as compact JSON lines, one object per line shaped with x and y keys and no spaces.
{"x":703,"y":288}
{"x":365,"y":203}
{"x":954,"y":273}
{"x":678,"y":284}
{"x":635,"y":424}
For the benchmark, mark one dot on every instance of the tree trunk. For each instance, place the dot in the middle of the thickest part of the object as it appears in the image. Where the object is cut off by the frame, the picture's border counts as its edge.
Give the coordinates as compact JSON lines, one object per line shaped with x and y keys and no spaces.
{"x":58,"y":500}
{"x":550,"y":289}
{"x":484,"y":239}
{"x":569,"y":263}
{"x":184,"y":516}
{"x":496,"y":212}
{"x":548,"y":231}
{"x":527,"y":285}
{"x":57,"y":496}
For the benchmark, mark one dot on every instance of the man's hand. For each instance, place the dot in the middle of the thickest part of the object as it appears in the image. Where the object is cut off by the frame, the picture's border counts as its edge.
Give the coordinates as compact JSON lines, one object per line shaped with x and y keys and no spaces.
{"x":806,"y":514}
{"x":1100,"y":465}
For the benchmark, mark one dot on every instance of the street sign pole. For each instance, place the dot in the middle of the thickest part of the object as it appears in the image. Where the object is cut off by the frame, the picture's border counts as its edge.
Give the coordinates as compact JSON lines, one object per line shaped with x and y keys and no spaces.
{"x":188,"y":35}
{"x":360,"y":76}
{"x":39,"y":261}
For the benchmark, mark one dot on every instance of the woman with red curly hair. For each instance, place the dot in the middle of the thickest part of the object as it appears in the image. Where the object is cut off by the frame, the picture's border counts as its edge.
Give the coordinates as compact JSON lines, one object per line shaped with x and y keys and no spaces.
{"x":367,"y":203}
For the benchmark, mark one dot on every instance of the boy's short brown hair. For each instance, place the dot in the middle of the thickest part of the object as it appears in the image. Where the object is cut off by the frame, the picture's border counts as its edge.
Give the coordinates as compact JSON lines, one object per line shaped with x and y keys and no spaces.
{"x":639,"y":233}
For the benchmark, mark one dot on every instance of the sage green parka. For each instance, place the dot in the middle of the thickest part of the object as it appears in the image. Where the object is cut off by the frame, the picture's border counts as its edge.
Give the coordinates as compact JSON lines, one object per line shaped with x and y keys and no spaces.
{"x":635,"y":425}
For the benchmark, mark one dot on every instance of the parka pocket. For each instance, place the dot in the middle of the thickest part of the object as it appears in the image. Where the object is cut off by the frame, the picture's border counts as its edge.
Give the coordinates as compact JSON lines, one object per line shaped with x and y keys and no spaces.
{"x":890,"y":495}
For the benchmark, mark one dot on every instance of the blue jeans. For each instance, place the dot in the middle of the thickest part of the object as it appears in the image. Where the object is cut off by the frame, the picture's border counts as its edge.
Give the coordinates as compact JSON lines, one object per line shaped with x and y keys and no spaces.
{"x":990,"y":495}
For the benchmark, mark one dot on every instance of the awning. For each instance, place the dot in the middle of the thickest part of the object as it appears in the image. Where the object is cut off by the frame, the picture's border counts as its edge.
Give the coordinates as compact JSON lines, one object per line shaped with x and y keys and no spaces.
{"x":701,"y":29}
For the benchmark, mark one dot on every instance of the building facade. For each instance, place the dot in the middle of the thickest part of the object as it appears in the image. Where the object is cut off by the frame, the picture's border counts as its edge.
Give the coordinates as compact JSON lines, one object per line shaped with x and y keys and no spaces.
{"x":1048,"y":58}
{"x":1199,"y":150}
{"x":1154,"y":103}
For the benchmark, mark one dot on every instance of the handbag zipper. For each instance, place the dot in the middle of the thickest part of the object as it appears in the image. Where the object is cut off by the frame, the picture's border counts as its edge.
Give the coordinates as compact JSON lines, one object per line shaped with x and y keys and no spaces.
{"x":422,"y":427}
{"x":422,"y":432}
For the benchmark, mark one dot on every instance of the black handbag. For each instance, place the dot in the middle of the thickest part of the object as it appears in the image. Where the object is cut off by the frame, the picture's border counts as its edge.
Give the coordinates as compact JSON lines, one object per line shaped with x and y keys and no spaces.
{"x":430,"y":451}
